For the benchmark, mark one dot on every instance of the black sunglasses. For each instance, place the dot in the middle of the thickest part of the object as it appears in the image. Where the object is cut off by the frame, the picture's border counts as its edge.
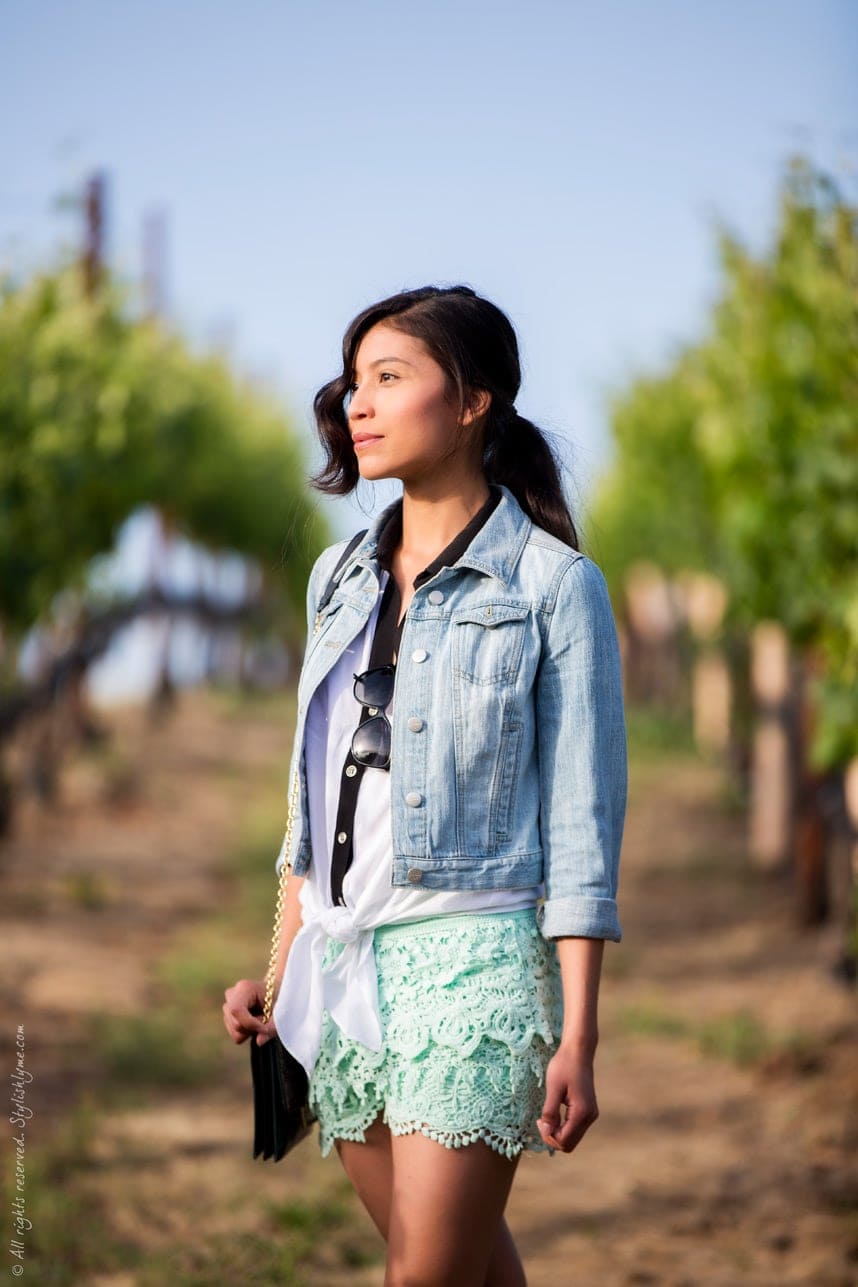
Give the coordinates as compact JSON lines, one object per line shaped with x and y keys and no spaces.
{"x":372,"y":737}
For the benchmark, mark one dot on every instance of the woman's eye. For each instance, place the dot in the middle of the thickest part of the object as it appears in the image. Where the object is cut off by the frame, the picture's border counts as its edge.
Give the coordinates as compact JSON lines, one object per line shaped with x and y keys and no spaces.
{"x":387,"y":375}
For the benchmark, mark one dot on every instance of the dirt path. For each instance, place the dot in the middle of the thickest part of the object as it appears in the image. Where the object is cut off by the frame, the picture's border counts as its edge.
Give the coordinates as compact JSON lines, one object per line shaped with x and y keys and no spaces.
{"x":725,"y":1150}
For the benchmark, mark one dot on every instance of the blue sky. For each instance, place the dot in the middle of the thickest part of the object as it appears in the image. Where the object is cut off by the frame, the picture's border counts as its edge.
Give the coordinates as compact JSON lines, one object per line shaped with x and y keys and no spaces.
{"x":567,"y":159}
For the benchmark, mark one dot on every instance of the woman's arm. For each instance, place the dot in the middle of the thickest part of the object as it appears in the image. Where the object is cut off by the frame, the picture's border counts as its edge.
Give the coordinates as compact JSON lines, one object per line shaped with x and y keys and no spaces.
{"x":581,"y":741}
{"x":581,"y":968}
{"x":583,"y":781}
{"x":249,"y":994}
{"x":569,"y":1076}
{"x":291,"y":925}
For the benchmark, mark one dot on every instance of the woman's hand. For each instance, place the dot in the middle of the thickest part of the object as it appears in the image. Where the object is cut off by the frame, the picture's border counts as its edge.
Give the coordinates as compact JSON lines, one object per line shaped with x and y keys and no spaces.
{"x":244,"y":1002}
{"x":569,"y":1081}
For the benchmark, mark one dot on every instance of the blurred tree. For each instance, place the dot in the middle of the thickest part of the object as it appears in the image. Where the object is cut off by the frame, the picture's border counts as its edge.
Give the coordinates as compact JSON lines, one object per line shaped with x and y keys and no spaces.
{"x":778,"y":429}
{"x":100,"y":413}
{"x":742,"y":459}
{"x":657,"y":502}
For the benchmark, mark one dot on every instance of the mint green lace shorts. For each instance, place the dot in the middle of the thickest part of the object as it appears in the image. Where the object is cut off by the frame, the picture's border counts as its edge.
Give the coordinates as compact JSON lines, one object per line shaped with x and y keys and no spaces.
{"x":471,"y":1010}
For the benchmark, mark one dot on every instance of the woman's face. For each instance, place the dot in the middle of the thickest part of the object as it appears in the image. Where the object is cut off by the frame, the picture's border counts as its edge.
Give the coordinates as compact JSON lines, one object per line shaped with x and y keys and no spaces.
{"x":402,"y":421}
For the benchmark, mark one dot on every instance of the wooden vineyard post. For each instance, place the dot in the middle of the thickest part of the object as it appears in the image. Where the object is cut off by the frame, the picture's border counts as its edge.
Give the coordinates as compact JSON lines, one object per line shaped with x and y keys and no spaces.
{"x":653,"y":615}
{"x":811,"y":832}
{"x":850,"y":892}
{"x":772,"y":805}
{"x":711,"y":690}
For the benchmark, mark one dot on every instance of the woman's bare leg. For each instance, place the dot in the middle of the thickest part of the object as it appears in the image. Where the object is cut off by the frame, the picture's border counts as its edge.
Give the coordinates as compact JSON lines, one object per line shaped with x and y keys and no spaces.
{"x":369,"y":1166}
{"x":446,"y":1216}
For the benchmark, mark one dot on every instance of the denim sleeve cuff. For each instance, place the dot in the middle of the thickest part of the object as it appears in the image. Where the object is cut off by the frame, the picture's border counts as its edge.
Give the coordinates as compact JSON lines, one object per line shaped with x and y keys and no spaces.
{"x":300,"y":859}
{"x":580,"y":917}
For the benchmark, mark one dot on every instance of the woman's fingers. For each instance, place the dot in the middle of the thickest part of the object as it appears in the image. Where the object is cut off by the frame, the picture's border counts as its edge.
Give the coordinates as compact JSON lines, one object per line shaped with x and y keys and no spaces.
{"x":567,"y":1134}
{"x":239,"y":1001}
{"x":549,"y":1122}
{"x":570,"y":1089}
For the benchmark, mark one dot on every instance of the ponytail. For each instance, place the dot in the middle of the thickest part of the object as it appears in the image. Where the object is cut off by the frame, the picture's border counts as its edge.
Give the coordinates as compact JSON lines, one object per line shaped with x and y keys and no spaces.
{"x":518,"y":454}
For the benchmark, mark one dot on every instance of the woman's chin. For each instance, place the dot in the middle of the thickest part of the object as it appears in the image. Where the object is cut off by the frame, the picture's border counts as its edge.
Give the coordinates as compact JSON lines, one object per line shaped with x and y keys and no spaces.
{"x":373,"y":473}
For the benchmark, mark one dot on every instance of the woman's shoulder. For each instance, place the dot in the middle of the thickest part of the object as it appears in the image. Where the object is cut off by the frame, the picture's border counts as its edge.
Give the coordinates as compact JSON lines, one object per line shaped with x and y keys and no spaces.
{"x":333,"y":554}
{"x":562,"y":580}
{"x":549,"y":559}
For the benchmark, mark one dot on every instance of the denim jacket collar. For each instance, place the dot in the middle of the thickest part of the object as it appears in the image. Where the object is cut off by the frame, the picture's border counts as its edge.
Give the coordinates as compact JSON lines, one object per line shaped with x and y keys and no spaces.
{"x":495,"y":549}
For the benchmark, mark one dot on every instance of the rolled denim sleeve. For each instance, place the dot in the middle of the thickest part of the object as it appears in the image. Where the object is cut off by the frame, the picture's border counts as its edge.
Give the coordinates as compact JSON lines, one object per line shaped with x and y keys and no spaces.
{"x":583,"y":766}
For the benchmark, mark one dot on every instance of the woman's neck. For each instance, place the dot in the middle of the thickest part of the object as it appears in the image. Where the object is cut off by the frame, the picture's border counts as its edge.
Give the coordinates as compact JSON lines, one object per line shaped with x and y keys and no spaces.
{"x":430,"y":521}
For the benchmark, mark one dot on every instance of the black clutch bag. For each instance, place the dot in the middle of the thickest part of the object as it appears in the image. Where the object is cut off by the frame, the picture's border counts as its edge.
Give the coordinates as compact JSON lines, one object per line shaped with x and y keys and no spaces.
{"x":281,"y":1113}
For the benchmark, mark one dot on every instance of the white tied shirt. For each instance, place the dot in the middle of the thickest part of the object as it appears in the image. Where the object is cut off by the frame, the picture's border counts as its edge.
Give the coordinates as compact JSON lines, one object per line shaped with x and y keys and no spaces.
{"x":348,"y":988}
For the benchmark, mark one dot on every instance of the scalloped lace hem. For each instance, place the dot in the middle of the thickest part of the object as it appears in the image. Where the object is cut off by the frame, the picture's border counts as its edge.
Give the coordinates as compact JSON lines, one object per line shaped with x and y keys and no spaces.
{"x":509,"y":1147}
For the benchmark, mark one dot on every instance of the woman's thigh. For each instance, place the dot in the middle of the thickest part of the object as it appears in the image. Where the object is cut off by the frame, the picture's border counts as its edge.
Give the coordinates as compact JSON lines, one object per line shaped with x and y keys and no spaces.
{"x":446,"y":1211}
{"x":369,"y":1166}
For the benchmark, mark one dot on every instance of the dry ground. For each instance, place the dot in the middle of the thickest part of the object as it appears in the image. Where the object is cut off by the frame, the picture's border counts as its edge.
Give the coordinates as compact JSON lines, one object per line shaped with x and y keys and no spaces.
{"x":725,"y":1152}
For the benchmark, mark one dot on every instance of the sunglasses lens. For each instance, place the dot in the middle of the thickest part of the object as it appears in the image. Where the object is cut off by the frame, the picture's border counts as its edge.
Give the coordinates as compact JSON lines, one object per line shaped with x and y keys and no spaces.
{"x":375,"y":687}
{"x":371,"y":743}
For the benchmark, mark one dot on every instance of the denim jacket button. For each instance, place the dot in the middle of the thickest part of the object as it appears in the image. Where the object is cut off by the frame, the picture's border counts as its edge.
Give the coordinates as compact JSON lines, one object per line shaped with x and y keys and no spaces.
{"x":414,"y":798}
{"x":415,"y":875}
{"x":419,"y":654}
{"x":415,"y":724}
{"x":436,"y":596}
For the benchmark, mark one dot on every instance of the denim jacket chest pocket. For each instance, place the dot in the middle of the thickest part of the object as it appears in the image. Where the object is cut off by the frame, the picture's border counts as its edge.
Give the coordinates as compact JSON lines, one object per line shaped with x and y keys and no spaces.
{"x":487,"y":641}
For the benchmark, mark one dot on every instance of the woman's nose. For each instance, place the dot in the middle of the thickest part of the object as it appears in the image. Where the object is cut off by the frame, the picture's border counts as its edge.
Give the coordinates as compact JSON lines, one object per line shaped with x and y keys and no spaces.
{"x":360,"y":405}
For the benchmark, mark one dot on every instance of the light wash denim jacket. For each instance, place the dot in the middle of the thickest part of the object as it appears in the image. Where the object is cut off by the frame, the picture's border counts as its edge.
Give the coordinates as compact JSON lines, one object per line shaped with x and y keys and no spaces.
{"x":508,"y":761}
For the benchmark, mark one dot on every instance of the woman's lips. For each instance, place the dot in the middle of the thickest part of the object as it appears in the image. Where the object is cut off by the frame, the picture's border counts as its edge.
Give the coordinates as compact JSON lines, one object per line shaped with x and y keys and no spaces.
{"x":366,"y":442}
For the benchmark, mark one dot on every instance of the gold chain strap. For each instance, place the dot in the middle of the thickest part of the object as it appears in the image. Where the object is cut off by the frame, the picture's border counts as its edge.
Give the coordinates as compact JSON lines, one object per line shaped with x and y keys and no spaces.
{"x":281,"y":902}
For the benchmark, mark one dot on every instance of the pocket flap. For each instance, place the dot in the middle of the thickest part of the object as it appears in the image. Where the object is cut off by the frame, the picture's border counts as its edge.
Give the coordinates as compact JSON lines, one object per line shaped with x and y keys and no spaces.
{"x":492,"y":614}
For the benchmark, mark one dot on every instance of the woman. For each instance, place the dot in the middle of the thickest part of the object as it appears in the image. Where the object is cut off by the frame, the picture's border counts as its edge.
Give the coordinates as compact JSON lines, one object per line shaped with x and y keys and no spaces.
{"x":455,"y":861}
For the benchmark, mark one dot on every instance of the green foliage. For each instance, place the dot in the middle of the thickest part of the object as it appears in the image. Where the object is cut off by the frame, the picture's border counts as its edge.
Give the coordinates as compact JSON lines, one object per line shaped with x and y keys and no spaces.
{"x":743,"y":458}
{"x":778,"y":429}
{"x":657,"y":502}
{"x":100,"y":413}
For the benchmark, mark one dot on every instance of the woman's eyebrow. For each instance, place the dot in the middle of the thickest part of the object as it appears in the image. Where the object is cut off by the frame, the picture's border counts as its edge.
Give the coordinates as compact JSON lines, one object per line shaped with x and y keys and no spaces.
{"x":382,"y":361}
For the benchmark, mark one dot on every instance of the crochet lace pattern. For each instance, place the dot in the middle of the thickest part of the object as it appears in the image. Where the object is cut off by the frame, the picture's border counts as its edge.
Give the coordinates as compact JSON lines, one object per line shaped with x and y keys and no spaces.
{"x":471,"y":1009}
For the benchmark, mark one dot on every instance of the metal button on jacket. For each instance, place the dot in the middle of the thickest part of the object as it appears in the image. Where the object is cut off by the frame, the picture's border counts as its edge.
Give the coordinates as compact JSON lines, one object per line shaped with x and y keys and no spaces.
{"x":436,"y":596}
{"x":419,"y":654}
{"x":415,"y":723}
{"x":414,"y":798}
{"x":415,"y":875}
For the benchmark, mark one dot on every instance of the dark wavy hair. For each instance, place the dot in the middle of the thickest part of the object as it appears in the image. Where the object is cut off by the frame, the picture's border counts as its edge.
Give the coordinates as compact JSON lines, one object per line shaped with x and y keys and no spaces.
{"x":475,"y":344}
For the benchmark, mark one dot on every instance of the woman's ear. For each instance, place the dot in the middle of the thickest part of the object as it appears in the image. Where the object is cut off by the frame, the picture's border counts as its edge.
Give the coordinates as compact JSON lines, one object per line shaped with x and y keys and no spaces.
{"x":478,"y":404}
